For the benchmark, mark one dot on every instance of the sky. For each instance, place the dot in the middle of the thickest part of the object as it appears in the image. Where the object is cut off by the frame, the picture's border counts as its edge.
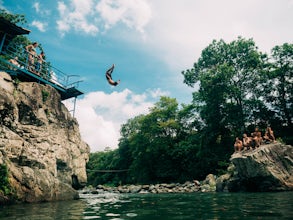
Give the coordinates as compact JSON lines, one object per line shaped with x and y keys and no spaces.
{"x":150,"y":42}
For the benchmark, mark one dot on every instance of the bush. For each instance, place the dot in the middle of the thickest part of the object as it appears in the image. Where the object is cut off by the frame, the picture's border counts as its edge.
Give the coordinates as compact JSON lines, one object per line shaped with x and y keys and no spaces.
{"x":4,"y":183}
{"x":45,"y":95}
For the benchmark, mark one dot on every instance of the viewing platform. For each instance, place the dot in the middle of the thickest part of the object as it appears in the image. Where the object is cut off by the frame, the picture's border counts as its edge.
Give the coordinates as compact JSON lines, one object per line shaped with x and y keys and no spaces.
{"x":14,"y":60}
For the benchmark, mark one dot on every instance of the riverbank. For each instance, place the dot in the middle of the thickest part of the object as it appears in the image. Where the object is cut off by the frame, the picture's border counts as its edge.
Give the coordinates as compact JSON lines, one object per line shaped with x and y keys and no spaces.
{"x":264,"y":169}
{"x":208,"y":185}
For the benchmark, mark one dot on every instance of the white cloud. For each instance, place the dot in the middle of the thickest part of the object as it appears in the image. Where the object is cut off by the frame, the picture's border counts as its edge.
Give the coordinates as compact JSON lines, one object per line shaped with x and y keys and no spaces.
{"x":101,"y":115}
{"x":75,"y":15}
{"x":134,"y":13}
{"x":181,"y":29}
{"x":158,"y":93}
{"x":87,"y":15}
{"x":36,"y":6}
{"x":40,"y":25}
{"x":41,"y":10}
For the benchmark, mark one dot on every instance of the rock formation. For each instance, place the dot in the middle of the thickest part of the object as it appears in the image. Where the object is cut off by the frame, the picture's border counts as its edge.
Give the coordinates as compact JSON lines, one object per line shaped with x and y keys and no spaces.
{"x":267,"y":168}
{"x":40,"y":143}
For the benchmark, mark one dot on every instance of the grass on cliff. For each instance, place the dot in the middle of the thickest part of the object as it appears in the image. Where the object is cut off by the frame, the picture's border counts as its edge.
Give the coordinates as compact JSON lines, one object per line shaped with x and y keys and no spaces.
{"x":4,"y":183}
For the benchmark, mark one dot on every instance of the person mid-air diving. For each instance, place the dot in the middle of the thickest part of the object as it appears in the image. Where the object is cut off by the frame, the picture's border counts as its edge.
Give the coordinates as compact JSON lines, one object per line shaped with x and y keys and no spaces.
{"x":109,"y":76}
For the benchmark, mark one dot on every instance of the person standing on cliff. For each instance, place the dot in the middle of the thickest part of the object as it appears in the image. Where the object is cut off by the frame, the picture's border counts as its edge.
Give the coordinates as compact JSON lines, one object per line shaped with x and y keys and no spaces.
{"x":31,"y":50}
{"x":40,"y":60}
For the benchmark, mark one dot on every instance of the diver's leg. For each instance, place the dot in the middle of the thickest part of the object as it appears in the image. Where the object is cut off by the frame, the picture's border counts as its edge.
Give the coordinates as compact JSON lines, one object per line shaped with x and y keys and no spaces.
{"x":109,"y":71}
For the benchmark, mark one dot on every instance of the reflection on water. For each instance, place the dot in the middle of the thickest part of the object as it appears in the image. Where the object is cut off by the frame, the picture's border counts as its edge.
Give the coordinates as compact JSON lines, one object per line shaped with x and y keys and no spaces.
{"x":44,"y":211}
{"x":160,"y":206}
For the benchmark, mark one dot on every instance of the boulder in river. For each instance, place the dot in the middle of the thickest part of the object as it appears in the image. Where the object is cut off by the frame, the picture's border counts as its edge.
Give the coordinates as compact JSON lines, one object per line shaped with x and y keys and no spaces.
{"x":267,"y":168}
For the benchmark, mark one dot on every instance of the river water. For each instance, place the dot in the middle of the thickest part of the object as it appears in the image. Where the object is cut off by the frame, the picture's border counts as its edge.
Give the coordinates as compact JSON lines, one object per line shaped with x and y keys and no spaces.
{"x":159,"y":206}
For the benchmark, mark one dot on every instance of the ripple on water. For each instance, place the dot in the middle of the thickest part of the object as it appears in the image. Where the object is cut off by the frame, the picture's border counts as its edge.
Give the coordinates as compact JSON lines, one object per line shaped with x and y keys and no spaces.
{"x":112,"y":215}
{"x":131,"y":214}
{"x":89,"y":213}
{"x":92,"y":217}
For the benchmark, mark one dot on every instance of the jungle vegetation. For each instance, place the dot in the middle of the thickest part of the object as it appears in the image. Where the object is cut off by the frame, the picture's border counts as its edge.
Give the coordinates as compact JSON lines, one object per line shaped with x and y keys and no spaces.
{"x":236,"y":88}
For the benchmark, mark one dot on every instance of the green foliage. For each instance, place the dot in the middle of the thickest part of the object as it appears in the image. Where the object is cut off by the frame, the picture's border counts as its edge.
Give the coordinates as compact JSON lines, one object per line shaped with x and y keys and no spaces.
{"x":229,"y":75}
{"x":16,"y":81}
{"x":16,"y":19}
{"x":239,"y":88}
{"x":278,"y":90}
{"x":153,"y":148}
{"x":4,"y":183}
{"x":230,"y":98}
{"x":45,"y":95}
{"x":100,"y":162}
{"x":222,"y":167}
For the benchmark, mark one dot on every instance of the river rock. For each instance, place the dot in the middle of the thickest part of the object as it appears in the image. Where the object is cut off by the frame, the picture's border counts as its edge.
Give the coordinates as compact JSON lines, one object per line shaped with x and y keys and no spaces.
{"x":134,"y":188}
{"x":187,"y":187}
{"x":40,"y":143}
{"x":209,"y":184}
{"x":267,"y":168}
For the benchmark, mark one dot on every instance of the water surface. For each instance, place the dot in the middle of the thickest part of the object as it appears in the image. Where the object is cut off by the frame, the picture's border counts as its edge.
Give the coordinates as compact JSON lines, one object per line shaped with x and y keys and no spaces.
{"x":160,"y":206}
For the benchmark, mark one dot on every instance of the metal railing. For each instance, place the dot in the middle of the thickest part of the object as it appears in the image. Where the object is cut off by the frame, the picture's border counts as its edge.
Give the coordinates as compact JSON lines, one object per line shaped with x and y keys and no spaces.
{"x":17,"y":58}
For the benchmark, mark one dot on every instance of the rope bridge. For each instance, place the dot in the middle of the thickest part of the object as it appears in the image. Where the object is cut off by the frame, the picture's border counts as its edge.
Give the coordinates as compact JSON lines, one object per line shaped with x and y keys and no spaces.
{"x":108,"y":171}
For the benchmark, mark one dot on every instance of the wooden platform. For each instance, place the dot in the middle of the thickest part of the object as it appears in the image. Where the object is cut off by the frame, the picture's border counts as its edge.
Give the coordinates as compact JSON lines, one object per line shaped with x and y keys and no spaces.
{"x":66,"y":91}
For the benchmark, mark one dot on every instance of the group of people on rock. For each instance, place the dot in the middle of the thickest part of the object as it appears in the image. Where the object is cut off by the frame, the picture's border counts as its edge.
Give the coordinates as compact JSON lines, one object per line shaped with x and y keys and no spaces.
{"x":255,"y":140}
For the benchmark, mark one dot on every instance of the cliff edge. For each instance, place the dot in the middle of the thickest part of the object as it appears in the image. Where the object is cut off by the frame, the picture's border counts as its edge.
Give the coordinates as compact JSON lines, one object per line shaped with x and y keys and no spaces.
{"x":267,"y":168}
{"x":40,"y":143}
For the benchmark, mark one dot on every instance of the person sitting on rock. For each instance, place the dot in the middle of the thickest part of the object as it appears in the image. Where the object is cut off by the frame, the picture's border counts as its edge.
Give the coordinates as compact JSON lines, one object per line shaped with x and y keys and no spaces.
{"x":238,"y":145}
{"x":256,"y":138}
{"x":247,"y":142}
{"x":269,"y":135}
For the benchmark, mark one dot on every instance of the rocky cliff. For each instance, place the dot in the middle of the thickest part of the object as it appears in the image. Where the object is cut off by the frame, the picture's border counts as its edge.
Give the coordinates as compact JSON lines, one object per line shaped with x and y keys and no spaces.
{"x":40,"y":143}
{"x":267,"y":168}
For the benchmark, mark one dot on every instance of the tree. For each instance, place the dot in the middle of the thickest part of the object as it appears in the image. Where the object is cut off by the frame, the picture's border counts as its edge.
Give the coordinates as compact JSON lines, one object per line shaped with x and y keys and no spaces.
{"x":229,"y":78}
{"x":15,"y":19}
{"x":279,"y":93}
{"x":157,"y":147}
{"x":152,"y":143}
{"x":101,"y":161}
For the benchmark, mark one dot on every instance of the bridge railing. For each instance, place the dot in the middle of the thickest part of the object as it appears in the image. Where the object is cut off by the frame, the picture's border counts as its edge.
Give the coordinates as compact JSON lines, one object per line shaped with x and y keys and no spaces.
{"x":17,"y":59}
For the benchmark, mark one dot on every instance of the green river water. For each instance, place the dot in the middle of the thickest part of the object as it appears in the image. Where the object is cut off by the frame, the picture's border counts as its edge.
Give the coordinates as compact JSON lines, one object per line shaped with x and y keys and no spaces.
{"x":159,"y":206}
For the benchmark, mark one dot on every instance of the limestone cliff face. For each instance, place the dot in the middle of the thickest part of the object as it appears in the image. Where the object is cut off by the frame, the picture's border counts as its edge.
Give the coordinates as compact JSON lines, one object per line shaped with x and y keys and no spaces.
{"x":40,"y":142}
{"x":267,"y":168}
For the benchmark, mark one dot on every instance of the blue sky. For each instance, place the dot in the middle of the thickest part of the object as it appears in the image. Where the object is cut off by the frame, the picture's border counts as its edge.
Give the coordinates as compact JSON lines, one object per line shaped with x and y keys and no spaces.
{"x":150,"y":42}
